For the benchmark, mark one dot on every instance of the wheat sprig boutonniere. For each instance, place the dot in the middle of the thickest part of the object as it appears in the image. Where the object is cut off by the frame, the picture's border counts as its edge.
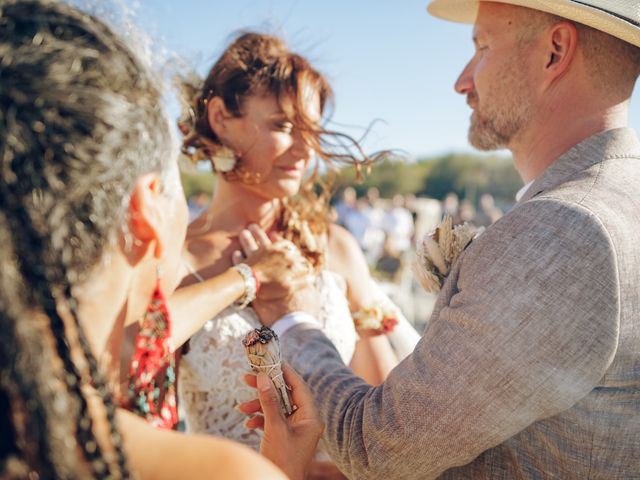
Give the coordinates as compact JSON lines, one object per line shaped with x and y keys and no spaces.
{"x":439,"y":250}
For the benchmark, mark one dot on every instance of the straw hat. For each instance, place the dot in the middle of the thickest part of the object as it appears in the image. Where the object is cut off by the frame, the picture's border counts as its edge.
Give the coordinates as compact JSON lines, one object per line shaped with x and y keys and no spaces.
{"x":620,"y":18}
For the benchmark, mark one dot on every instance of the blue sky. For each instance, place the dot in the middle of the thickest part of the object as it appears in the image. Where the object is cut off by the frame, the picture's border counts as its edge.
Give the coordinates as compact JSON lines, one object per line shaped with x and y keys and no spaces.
{"x":386,"y":60}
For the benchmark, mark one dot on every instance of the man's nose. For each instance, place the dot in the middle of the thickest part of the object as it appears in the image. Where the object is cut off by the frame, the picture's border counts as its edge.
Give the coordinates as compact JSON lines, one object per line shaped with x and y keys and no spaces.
{"x":464,"y":83}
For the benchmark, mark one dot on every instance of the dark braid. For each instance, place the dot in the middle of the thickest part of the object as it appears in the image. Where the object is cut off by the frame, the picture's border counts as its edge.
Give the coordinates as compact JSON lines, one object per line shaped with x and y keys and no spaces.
{"x":30,"y":244}
{"x":80,"y":121}
{"x":24,"y":381}
{"x":101,"y":386}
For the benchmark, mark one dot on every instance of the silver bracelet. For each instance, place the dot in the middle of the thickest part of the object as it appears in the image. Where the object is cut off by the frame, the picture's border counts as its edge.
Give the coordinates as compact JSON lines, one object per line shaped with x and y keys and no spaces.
{"x":250,"y":287}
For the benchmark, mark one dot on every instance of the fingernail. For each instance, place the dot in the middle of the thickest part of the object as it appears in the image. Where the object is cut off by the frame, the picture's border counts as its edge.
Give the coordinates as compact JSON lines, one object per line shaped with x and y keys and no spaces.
{"x":264,"y":382}
{"x":237,"y":408}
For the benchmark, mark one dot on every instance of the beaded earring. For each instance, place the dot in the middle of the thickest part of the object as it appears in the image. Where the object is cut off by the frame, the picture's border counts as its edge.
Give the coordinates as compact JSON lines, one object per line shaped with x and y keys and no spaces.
{"x":226,"y":162}
{"x":152,"y":377}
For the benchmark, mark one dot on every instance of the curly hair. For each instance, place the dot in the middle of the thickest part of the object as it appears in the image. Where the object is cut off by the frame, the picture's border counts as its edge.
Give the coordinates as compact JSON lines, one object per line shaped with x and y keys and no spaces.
{"x":259,"y":64}
{"x":80,"y":120}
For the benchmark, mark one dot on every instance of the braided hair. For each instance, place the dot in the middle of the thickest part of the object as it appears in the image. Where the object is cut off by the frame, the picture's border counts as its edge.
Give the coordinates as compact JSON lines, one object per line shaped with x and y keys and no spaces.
{"x":80,"y":120}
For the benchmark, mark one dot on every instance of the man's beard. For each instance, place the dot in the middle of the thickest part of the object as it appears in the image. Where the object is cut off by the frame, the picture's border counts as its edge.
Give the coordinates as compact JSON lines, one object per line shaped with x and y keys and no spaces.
{"x":497,"y":119}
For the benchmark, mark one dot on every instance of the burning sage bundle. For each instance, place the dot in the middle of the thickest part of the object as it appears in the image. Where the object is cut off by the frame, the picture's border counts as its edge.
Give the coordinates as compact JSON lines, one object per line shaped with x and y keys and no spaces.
{"x":262,"y":348}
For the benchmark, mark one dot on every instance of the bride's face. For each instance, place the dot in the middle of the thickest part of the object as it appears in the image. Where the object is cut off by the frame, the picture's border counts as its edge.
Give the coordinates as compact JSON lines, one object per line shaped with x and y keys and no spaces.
{"x":271,"y":146}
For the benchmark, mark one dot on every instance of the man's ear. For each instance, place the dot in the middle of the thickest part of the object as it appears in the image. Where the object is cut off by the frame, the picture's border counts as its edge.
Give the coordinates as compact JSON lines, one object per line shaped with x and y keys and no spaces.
{"x":145,"y":219}
{"x":217,"y":116}
{"x":561,"y":44}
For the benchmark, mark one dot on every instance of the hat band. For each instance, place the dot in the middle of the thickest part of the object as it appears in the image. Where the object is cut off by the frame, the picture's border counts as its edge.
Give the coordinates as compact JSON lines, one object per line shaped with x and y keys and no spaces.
{"x":621,"y":17}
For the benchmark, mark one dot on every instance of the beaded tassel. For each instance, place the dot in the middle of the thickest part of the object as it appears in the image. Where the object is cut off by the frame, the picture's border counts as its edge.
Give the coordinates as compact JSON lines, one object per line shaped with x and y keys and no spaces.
{"x":153,"y":353}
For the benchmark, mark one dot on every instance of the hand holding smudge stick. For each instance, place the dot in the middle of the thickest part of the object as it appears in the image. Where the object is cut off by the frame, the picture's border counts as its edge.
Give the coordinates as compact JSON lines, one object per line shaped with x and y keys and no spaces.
{"x":262,"y":348}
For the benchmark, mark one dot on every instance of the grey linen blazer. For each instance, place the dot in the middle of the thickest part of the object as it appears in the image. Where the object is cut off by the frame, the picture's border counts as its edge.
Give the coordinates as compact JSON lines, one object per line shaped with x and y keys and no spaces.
{"x":530,"y":364}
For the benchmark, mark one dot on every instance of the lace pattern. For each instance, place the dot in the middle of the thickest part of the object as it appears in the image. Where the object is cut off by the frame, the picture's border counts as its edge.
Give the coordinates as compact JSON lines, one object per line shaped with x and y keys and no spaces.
{"x":211,"y":383}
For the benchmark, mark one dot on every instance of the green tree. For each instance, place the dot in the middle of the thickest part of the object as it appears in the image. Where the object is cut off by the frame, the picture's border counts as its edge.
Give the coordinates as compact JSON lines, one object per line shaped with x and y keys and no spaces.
{"x":197,"y":182}
{"x":470,"y":176}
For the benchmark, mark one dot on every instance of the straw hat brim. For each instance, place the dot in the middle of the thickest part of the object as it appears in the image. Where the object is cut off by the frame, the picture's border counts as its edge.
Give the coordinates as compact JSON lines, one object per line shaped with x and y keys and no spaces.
{"x":627,"y":29}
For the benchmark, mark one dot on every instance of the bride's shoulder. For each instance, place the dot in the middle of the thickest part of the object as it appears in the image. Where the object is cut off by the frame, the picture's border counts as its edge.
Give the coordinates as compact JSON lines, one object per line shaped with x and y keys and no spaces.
{"x":345,"y":255}
{"x":340,"y":241}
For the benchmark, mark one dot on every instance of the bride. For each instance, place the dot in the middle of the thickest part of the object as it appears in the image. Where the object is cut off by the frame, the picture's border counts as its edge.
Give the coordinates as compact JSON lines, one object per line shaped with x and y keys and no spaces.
{"x":257,"y":118}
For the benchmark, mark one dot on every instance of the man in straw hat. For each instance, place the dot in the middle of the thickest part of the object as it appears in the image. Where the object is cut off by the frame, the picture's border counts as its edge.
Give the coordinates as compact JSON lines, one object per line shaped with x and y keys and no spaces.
{"x":530,"y":364}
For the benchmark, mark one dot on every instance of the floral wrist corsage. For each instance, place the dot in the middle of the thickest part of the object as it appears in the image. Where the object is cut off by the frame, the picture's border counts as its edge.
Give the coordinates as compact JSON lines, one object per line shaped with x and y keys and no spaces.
{"x":376,"y":319}
{"x":439,"y":251}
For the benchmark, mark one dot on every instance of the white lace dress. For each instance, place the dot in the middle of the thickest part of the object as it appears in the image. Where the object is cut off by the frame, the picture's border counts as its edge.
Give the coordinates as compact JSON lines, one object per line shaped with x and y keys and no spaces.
{"x":211,"y":383}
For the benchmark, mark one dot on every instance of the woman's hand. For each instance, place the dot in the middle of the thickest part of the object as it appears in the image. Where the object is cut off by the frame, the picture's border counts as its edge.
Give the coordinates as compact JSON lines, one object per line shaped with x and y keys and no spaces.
{"x":286,"y":277}
{"x":279,"y":266}
{"x":289,"y":442}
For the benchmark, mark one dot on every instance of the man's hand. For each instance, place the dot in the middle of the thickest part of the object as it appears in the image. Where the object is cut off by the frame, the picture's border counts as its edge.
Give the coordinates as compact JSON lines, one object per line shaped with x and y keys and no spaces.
{"x":289,"y":442}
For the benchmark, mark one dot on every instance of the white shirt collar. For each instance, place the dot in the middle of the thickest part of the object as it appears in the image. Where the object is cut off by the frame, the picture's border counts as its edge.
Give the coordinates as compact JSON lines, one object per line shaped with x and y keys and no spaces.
{"x":523,"y":190}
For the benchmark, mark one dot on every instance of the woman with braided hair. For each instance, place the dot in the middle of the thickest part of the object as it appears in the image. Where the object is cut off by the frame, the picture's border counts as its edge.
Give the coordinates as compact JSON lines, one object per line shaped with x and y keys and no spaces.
{"x":91,"y":210}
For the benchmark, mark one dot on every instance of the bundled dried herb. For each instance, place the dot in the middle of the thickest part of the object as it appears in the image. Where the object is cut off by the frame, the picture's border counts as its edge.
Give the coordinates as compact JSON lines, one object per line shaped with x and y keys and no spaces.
{"x":263,"y":353}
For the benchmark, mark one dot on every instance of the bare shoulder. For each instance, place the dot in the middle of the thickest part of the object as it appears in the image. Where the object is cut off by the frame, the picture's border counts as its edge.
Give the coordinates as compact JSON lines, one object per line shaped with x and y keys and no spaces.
{"x":344,"y":251}
{"x":346,"y":258}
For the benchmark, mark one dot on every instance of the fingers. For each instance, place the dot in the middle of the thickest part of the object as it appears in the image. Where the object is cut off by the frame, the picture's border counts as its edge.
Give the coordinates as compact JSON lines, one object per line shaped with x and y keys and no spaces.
{"x":298,"y":264}
{"x":248,"y":243}
{"x":253,"y":238}
{"x":259,"y":236}
{"x":250,"y":379}
{"x":250,"y":407}
{"x":300,"y":393}
{"x":275,"y":237}
{"x":255,"y":422}
{"x":302,"y":268}
{"x":237,"y":257}
{"x":270,"y":401}
{"x":287,"y":246}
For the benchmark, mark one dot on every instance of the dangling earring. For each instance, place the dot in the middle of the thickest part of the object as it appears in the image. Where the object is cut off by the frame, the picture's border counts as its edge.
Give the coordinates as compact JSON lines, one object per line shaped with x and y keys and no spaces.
{"x":230,"y":165}
{"x":224,"y":159}
{"x":153,"y":364}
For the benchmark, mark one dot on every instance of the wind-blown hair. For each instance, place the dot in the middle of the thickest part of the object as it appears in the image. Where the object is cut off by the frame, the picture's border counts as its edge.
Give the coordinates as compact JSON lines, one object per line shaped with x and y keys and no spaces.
{"x":260,"y":64}
{"x":80,"y":121}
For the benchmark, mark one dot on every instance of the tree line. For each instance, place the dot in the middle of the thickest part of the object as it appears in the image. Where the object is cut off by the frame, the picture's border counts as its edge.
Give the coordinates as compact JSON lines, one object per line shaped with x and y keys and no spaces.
{"x":467,"y":175}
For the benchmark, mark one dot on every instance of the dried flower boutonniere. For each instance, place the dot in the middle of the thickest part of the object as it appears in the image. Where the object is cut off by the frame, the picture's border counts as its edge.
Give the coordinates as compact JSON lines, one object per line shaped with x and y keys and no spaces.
{"x":439,"y":251}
